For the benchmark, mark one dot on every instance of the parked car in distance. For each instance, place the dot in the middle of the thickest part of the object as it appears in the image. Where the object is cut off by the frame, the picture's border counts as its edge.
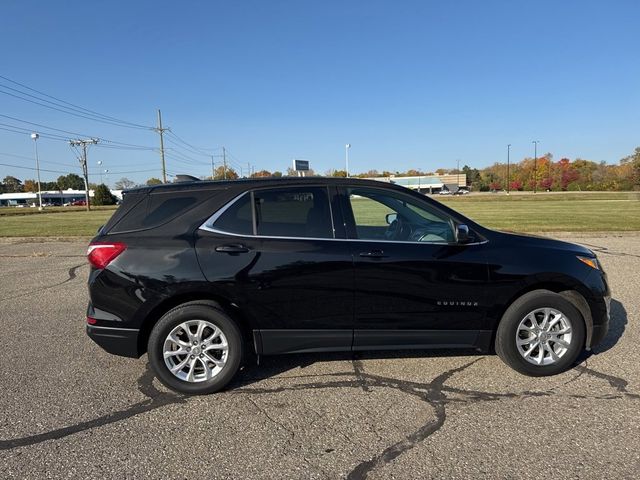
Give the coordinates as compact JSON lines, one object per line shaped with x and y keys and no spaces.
{"x":198,"y":274}
{"x":79,"y":203}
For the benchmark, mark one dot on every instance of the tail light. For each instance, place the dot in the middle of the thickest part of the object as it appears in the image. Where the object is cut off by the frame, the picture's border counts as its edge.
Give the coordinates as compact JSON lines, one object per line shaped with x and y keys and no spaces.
{"x":102,"y":254}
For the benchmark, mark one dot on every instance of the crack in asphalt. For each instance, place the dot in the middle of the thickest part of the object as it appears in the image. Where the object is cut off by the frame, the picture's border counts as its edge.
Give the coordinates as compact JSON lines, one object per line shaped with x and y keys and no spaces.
{"x":156,"y":399}
{"x":433,"y":393}
{"x":620,"y":384}
{"x":608,"y":251}
{"x":71,"y":275}
{"x":358,"y":369}
{"x":436,"y":399}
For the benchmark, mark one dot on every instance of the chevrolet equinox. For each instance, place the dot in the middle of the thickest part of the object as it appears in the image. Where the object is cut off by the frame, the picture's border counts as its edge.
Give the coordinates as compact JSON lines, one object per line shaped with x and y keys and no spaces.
{"x":200,"y":273}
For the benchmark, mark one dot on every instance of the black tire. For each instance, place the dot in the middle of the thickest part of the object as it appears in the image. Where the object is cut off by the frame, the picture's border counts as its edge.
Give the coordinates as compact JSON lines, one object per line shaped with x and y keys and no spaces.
{"x":506,"y":335}
{"x":209,"y":312}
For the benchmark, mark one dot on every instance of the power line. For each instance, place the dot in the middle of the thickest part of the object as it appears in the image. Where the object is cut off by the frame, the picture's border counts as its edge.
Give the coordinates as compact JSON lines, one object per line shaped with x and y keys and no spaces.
{"x":24,"y":131}
{"x":42,"y":126}
{"x":69,"y":113}
{"x":125,"y":172}
{"x":238,"y":164}
{"x":16,"y":156}
{"x":31,"y":168}
{"x":124,"y":147}
{"x":67,"y":171}
{"x":71,"y":106}
{"x":115,"y":142}
{"x":183,"y":161}
{"x":185,"y":156}
{"x":191,"y":147}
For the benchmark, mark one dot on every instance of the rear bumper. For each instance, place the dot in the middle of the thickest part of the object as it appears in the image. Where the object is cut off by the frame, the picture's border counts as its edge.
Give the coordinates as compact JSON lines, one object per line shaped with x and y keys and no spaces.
{"x":118,"y":341}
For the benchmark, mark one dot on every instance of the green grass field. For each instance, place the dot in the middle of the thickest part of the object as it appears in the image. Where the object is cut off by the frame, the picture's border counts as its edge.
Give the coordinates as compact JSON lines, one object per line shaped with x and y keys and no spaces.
{"x":543,"y":212}
{"x":69,"y":223}
{"x":549,"y":212}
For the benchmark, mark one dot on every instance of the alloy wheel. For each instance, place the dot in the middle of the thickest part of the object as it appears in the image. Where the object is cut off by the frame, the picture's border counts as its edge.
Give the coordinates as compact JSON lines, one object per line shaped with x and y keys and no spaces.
{"x":195,"y":351}
{"x":544,"y":336}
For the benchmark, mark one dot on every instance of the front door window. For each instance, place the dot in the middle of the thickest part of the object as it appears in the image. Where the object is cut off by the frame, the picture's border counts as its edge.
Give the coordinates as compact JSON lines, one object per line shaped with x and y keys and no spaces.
{"x":388,"y":216}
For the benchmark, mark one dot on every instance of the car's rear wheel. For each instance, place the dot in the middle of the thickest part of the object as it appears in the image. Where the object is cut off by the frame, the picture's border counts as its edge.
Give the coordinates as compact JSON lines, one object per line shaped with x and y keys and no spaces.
{"x":195,"y":349}
{"x":540,"y":334}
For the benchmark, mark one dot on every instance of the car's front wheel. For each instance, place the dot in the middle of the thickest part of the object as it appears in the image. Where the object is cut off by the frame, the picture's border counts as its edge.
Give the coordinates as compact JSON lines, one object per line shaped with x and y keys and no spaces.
{"x":540,"y":334}
{"x":195,"y":349}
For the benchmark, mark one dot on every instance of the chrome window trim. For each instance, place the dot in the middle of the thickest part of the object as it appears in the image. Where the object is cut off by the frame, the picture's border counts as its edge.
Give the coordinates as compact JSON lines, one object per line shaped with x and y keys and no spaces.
{"x":270,"y":237}
{"x":213,"y":218}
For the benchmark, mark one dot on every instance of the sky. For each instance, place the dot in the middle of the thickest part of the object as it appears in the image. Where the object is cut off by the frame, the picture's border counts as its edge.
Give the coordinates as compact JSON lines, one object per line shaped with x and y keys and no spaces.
{"x":409,"y":84}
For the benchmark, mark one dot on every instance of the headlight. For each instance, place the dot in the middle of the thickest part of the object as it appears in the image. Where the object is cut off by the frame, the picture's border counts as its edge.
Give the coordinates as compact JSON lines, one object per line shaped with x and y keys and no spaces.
{"x":592,"y":262}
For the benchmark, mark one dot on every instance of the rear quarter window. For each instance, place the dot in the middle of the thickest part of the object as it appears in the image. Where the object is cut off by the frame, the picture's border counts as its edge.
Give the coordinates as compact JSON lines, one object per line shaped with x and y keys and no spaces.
{"x":158,"y":208}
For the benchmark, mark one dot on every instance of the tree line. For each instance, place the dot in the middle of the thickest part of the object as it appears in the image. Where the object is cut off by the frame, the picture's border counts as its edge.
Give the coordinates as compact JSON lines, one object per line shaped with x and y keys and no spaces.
{"x":563,"y":175}
{"x":542,"y":173}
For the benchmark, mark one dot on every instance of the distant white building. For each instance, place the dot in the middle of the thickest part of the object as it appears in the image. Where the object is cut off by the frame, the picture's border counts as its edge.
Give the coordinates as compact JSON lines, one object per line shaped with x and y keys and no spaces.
{"x":51,"y":197}
{"x":428,"y":183}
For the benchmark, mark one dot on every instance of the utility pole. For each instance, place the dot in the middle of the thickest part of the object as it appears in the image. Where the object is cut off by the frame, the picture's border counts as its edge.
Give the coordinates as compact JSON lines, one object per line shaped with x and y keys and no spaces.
{"x":213,"y":169}
{"x":224,"y":163}
{"x":508,"y":158}
{"x":458,"y":170}
{"x":35,"y":137}
{"x":161,"y":131}
{"x":248,"y":169}
{"x":535,"y":165}
{"x":346,"y":157}
{"x":83,"y":164}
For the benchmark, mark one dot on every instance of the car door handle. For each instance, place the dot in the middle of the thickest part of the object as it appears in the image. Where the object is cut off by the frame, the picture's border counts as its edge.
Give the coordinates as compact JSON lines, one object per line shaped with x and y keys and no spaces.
{"x":374,"y":254}
{"x":232,"y":249}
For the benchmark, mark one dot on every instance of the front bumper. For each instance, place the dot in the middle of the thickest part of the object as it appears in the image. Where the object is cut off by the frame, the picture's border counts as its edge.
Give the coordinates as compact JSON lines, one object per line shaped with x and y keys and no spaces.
{"x":118,"y":341}
{"x":601,"y":325}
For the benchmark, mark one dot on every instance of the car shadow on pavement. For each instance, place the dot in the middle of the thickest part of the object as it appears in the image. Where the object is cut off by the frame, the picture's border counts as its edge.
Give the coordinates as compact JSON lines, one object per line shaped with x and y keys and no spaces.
{"x":272,"y":366}
{"x":617,"y":326}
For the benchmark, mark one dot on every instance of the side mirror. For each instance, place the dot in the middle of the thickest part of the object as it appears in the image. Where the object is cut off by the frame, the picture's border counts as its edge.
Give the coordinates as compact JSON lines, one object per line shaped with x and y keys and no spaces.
{"x":462,"y":234}
{"x":391,"y":217}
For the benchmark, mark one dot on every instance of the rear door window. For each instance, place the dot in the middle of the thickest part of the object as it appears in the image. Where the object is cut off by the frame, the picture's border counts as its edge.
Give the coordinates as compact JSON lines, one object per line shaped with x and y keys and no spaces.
{"x":293,"y":212}
{"x":302,"y":212}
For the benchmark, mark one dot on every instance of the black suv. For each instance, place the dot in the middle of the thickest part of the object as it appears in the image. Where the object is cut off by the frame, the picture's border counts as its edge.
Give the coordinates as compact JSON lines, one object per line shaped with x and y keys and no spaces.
{"x":198,"y":274}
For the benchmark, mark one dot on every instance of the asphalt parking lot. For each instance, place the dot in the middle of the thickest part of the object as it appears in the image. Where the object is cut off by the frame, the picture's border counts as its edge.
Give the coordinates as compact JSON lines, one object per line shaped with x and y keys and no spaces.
{"x":68,"y":409}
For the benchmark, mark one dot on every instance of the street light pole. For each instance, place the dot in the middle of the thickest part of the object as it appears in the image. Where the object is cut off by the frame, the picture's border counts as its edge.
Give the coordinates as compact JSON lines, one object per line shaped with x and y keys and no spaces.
{"x":535,"y":165}
{"x":100,"y":168}
{"x":458,"y":170}
{"x":35,"y":137}
{"x":346,"y":157}
{"x":508,"y":158}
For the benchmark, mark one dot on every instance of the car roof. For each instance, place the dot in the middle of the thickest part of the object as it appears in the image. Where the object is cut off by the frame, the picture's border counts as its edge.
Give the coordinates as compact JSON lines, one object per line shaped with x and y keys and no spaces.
{"x":247,"y":183}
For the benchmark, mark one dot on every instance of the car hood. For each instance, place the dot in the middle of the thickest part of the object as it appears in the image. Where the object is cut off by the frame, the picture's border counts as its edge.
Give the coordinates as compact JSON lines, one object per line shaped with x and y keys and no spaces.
{"x":544,"y":242}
